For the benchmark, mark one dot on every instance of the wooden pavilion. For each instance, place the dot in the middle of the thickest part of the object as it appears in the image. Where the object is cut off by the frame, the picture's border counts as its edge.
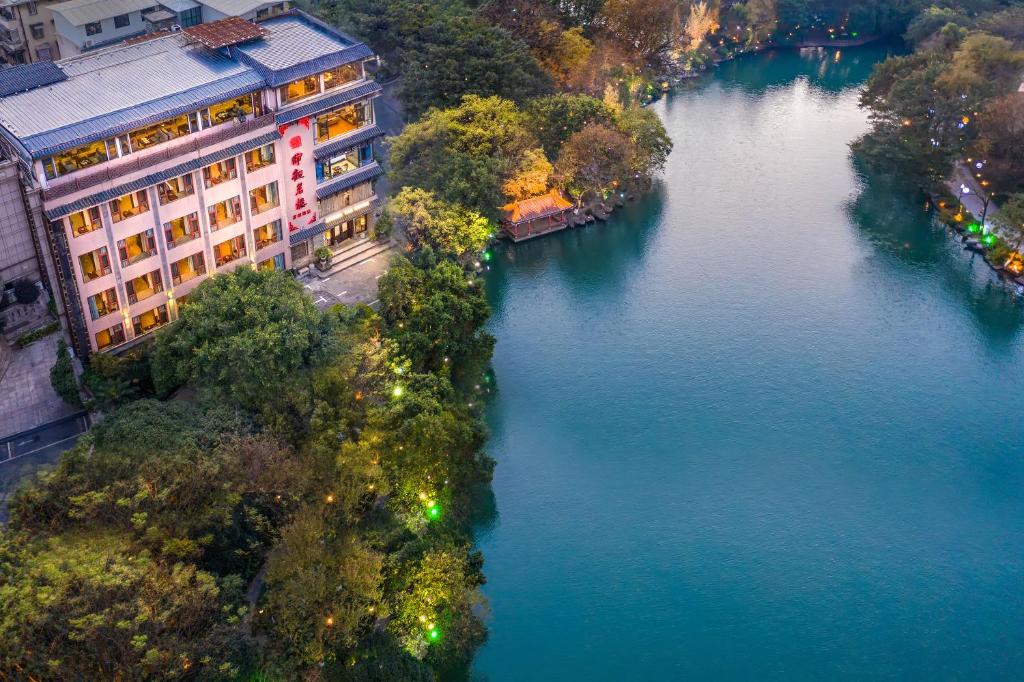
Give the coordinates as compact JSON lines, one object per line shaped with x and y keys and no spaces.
{"x":536,"y":216}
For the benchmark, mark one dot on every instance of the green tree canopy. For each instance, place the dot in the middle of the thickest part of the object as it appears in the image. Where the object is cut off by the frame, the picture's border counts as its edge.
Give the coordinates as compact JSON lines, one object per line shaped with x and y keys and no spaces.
{"x":463,"y":155}
{"x":446,"y":227}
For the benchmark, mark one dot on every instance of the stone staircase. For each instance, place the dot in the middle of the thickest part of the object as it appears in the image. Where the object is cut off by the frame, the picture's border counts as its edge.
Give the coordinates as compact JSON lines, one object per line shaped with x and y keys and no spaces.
{"x":359,"y":252}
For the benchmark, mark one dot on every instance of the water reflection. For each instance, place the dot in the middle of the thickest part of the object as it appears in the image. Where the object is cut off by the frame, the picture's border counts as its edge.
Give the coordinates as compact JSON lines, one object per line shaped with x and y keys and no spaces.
{"x":829,"y":70}
{"x":899,"y":224}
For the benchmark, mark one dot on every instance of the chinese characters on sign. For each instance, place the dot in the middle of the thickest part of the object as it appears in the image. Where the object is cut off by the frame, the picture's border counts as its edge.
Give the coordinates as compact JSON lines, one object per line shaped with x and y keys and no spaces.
{"x":301,"y":197}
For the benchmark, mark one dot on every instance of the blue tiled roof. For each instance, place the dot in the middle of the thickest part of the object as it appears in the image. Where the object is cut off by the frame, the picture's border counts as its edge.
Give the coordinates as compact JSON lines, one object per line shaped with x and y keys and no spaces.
{"x":305,"y":233}
{"x":298,"y":45}
{"x":368,"y":89}
{"x":122,"y":121}
{"x":351,"y":179}
{"x":360,"y":136}
{"x":143,"y":182}
{"x":29,"y":76}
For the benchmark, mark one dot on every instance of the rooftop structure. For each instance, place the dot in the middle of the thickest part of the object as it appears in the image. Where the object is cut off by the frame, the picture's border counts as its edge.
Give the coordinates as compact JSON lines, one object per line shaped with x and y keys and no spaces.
{"x":225,"y":32}
{"x":82,"y":12}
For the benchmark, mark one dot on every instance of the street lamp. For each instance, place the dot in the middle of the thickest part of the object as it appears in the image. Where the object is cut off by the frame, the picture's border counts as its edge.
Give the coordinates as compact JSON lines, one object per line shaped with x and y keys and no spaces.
{"x":964,"y":189}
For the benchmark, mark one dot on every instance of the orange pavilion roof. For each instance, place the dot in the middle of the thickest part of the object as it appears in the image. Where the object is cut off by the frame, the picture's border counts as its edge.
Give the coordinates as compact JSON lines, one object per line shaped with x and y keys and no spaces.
{"x":536,"y":207}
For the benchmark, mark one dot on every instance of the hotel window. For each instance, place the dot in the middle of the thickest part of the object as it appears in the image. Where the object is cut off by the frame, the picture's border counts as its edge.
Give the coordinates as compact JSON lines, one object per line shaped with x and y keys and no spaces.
{"x":75,"y":159}
{"x":341,"y":121}
{"x":93,"y":28}
{"x":263,"y":198}
{"x":259,"y":158}
{"x":222,"y":112}
{"x":175,"y":188}
{"x":300,"y":89}
{"x":103,"y":303}
{"x":114,"y":336}
{"x":181,"y":230}
{"x":188,"y":268}
{"x":150,"y":320}
{"x":129,"y":205}
{"x":268,"y":234}
{"x":122,"y":20}
{"x":142,"y":287}
{"x":342,"y":75}
{"x":137,"y":247}
{"x":343,"y":163}
{"x":94,"y":264}
{"x":220,"y":172}
{"x":158,"y":133}
{"x":229,"y":251}
{"x":32,"y":9}
{"x":227,"y":212}
{"x":275,"y":263}
{"x":37,"y":31}
{"x":84,"y":222}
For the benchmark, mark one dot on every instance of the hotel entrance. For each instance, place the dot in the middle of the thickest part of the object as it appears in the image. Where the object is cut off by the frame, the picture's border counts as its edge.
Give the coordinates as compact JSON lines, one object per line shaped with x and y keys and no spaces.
{"x":339,"y":233}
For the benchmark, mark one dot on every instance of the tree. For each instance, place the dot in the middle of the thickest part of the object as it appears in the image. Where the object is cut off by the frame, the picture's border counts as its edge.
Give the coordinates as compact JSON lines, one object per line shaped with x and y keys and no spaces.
{"x":442,"y":226}
{"x":531,"y":178}
{"x":436,"y":315}
{"x":434,"y":614}
{"x":651,"y":142}
{"x":467,"y":56}
{"x":94,"y":607}
{"x":645,"y":26}
{"x":760,"y":16}
{"x":62,"y":376}
{"x":595,"y":160}
{"x":239,"y":334}
{"x":929,"y":22}
{"x":702,"y":20}
{"x":1010,"y":221}
{"x":323,"y":590}
{"x":553,"y":119}
{"x":463,"y":154}
{"x":1001,"y":138}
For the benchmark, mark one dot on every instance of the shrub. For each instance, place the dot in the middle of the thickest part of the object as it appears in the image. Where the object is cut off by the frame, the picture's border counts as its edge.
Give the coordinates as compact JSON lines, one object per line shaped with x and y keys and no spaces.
{"x":62,"y":376}
{"x":35,"y":335}
{"x":25,"y":291}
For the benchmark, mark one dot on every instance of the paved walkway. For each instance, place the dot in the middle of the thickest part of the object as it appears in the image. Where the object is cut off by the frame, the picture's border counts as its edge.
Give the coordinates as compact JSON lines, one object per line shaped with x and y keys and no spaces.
{"x":973,"y":202}
{"x":357,"y":284}
{"x":26,"y":397}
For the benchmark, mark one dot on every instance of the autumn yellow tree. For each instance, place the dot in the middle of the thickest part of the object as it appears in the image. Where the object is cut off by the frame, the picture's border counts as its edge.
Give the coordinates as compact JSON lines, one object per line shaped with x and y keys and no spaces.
{"x":703,"y":19}
{"x":531,"y":178}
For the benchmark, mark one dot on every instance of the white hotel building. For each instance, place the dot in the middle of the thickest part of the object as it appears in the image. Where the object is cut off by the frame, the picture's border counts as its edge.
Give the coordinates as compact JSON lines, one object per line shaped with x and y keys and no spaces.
{"x":152,"y":166}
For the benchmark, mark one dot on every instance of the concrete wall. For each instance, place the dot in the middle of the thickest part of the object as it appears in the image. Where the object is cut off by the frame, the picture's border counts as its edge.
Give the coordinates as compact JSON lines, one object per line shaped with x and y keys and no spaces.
{"x":72,"y":38}
{"x":36,"y":47}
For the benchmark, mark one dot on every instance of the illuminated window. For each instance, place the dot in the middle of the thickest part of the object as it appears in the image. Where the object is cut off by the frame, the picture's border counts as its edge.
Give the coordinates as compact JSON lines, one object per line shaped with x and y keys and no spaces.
{"x":344,"y":74}
{"x":227,"y":212}
{"x":181,"y":230}
{"x":142,"y":287}
{"x":188,"y":268}
{"x":268,"y":234}
{"x":113,"y":336}
{"x":227,"y":110}
{"x":150,"y":320}
{"x":137,"y":247}
{"x":158,"y":133}
{"x":300,"y":89}
{"x":129,"y":205}
{"x":229,"y":251}
{"x":175,"y":189}
{"x":84,"y":222}
{"x":263,"y":198}
{"x":75,"y":159}
{"x":103,"y":304}
{"x":342,"y":121}
{"x":259,"y":158}
{"x":94,"y":264}
{"x":222,"y":171}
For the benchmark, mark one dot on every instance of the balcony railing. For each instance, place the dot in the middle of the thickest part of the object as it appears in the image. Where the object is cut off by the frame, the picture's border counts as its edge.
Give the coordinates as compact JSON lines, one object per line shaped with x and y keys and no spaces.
{"x":111,"y":171}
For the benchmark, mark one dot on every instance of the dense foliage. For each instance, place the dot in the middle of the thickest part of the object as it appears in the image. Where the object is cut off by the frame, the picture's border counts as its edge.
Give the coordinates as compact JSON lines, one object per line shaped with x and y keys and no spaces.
{"x":297,"y":511}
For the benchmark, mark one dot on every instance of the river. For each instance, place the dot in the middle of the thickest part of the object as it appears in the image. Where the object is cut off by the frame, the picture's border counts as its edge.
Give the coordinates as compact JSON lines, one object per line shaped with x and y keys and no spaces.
{"x":764,"y":424}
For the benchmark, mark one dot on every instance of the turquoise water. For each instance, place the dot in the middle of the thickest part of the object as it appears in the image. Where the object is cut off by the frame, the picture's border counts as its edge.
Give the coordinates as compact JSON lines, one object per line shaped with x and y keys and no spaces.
{"x":765,"y":424}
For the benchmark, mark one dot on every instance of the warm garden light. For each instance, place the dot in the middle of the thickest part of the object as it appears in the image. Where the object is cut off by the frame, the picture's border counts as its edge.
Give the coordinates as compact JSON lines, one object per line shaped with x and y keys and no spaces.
{"x":397,"y":392}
